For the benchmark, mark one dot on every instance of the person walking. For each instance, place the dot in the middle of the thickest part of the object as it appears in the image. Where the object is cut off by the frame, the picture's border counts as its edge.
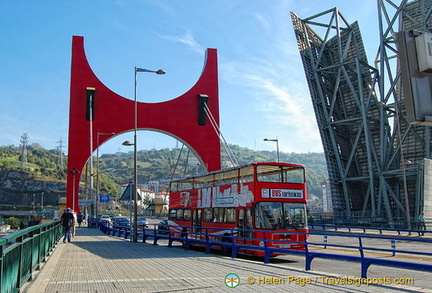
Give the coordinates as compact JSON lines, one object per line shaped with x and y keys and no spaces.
{"x":80,"y":219}
{"x":67,"y":221}
{"x":73,"y":226}
{"x":422,"y":222}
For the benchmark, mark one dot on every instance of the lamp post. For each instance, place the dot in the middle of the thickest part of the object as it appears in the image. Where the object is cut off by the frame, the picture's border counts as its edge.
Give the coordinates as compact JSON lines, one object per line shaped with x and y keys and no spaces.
{"x":97,"y":167}
{"x":135,"y":179}
{"x":277,"y":145}
{"x":74,"y":172}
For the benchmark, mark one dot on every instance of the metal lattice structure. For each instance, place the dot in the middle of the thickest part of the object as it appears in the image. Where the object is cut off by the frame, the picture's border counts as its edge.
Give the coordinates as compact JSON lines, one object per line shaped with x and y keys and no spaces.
{"x":360,"y":112}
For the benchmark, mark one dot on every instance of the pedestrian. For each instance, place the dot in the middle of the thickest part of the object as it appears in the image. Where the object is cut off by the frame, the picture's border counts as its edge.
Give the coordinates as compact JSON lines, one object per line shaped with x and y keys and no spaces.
{"x":73,"y":226}
{"x":67,"y":221}
{"x":422,"y":222}
{"x":80,"y":219}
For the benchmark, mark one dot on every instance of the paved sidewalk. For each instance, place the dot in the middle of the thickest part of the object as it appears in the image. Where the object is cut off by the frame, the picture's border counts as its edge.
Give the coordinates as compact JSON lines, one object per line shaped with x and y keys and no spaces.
{"x":95,"y":262}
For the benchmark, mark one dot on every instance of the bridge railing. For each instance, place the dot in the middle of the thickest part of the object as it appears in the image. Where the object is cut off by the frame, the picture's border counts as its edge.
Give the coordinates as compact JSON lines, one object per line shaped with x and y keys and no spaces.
{"x":402,"y":224}
{"x":230,"y":241}
{"x":22,"y":253}
{"x":380,"y":230}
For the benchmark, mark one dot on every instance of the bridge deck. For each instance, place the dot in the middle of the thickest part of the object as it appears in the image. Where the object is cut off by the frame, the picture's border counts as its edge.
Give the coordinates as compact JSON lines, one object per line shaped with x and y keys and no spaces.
{"x":95,"y":262}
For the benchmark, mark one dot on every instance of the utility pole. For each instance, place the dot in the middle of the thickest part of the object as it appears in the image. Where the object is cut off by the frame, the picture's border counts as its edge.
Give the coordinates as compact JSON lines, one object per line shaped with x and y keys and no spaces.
{"x":24,"y":143}
{"x":60,"y":149}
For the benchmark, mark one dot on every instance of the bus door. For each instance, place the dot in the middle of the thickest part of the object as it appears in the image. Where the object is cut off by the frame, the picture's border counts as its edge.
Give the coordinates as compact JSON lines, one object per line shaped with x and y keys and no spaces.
{"x":244,"y":221}
{"x":196,"y":221}
{"x":241,"y":224}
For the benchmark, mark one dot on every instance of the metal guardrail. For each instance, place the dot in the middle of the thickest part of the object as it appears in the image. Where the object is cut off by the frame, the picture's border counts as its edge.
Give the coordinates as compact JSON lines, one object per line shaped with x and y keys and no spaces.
{"x":22,"y":253}
{"x":371,"y":223}
{"x":399,"y":231}
{"x":230,"y":241}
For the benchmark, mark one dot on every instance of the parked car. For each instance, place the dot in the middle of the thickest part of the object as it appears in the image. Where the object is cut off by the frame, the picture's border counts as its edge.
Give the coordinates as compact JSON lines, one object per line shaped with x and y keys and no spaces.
{"x":105,"y":219}
{"x":121,"y":223}
{"x":142,"y":222}
{"x":163,"y":226}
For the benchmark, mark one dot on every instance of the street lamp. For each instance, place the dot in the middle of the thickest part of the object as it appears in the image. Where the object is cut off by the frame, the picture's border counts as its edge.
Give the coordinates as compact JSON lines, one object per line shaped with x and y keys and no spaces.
{"x":74,"y":172}
{"x":277,"y":145}
{"x":135,"y":207}
{"x":97,"y":167}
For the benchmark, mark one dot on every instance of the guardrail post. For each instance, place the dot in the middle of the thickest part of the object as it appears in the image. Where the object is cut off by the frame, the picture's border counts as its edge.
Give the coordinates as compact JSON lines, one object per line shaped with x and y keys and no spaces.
{"x":393,"y":246}
{"x":267,"y":253}
{"x":208,"y":245}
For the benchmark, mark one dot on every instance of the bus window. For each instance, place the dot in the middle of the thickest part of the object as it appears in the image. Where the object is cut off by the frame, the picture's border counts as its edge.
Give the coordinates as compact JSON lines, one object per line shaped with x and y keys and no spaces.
{"x":185,"y":184}
{"x":294,"y":175}
{"x":269,"y":215}
{"x":186,"y":214}
{"x":230,"y":177}
{"x":174,"y":186}
{"x":204,"y":181}
{"x":278,"y":215}
{"x":173,"y":215}
{"x":280,"y":174}
{"x":230,"y":215}
{"x":208,"y":217}
{"x":246,"y":174}
{"x":180,"y":214}
{"x":269,"y":173}
{"x":218,"y":215}
{"x":295,"y":215}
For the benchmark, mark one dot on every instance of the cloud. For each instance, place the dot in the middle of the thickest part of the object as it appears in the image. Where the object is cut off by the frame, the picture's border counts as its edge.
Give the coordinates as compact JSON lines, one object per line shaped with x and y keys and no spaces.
{"x":188,"y":40}
{"x":281,"y":98}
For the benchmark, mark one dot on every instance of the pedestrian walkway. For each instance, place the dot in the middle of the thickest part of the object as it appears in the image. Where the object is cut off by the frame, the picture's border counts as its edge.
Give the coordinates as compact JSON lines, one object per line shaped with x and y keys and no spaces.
{"x":95,"y":262}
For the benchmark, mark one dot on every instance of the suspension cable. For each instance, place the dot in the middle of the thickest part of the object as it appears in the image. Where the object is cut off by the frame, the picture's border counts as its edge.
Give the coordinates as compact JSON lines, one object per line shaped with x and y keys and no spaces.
{"x":225,"y":145}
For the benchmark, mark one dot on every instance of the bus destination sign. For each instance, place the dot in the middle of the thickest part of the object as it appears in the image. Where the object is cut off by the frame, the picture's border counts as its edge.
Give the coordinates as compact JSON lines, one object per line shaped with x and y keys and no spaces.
{"x":282,"y":193}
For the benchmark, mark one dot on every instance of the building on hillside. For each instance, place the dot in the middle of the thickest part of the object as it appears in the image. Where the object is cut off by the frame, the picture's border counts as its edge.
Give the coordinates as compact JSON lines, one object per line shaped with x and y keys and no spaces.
{"x":159,"y":205}
{"x":144,"y":196}
{"x":327,"y":198}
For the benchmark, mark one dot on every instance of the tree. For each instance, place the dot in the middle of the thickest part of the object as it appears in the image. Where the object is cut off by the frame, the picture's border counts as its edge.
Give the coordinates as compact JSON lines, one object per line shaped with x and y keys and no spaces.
{"x":13,"y":222}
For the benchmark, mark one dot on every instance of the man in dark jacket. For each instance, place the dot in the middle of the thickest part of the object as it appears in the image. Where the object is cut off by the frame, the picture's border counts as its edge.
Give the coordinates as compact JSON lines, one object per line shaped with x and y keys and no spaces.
{"x":67,"y":220}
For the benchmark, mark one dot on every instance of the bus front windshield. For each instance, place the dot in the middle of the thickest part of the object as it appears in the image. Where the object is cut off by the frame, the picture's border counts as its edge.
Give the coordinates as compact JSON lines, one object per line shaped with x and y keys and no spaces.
{"x":280,"y":215}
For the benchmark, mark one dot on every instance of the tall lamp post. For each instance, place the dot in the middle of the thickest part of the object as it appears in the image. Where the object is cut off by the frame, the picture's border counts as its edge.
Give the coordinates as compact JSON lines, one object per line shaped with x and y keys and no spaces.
{"x":97,"y":167}
{"x":135,"y":179}
{"x":277,"y":145}
{"x":74,"y":172}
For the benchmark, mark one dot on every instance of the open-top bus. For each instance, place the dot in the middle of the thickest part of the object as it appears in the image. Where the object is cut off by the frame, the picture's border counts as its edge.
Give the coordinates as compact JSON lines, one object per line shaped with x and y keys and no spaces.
{"x":253,"y":199}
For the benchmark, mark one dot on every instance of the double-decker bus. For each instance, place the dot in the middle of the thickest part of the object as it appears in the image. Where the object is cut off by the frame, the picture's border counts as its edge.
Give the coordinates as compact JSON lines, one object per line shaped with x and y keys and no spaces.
{"x":253,"y":199}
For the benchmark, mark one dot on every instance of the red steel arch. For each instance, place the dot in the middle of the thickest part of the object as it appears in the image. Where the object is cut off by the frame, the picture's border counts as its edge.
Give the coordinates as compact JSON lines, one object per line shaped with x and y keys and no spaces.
{"x":177,"y":117}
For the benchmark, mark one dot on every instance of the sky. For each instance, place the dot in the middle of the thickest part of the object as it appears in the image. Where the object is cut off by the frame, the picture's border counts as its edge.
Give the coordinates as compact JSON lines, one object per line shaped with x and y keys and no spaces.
{"x":263,"y":92}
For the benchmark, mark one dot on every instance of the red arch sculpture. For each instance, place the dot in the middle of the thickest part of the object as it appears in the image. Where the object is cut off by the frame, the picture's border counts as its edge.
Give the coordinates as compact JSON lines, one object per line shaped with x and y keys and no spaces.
{"x":178,"y":117}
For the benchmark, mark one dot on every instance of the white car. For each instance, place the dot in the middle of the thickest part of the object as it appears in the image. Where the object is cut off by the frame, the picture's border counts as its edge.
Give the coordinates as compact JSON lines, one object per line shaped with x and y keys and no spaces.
{"x":106,"y":219}
{"x":142,"y":222}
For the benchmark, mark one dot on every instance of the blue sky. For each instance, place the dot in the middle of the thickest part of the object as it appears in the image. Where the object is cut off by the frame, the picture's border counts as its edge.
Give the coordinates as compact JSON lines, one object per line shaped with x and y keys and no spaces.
{"x":262,"y":87}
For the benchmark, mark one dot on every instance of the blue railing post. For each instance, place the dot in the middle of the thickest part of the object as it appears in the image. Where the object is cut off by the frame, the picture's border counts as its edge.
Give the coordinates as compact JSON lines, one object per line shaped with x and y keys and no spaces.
{"x":208,"y":245}
{"x":393,"y":247}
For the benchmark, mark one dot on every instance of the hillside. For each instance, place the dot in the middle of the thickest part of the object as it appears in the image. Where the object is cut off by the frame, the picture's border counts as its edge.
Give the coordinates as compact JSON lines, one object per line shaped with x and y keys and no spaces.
{"x":117,"y":169}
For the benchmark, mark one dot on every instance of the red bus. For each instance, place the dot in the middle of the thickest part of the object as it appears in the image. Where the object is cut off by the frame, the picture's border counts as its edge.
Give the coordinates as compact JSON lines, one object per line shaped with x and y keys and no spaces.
{"x":255,"y":198}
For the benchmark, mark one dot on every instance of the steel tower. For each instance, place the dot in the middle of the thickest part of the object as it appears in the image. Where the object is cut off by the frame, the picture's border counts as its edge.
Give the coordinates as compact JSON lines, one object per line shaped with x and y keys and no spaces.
{"x":375,"y":158}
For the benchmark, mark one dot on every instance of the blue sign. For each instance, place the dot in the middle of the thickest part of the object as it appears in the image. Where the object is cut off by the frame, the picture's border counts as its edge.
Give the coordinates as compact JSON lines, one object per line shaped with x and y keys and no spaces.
{"x":104,"y":198}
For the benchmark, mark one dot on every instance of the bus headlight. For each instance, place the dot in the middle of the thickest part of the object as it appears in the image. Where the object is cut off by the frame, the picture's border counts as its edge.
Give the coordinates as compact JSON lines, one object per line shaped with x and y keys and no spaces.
{"x":261,"y":243}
